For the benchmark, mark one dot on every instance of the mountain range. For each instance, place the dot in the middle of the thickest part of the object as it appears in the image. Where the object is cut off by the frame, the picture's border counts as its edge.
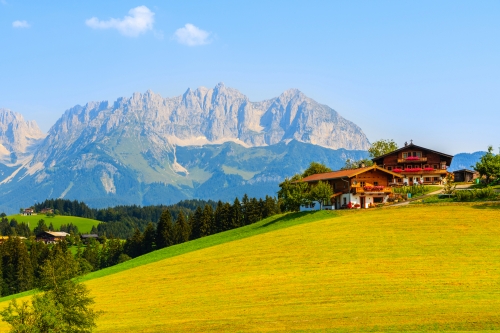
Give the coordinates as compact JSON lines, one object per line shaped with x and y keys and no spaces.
{"x":146,"y":149}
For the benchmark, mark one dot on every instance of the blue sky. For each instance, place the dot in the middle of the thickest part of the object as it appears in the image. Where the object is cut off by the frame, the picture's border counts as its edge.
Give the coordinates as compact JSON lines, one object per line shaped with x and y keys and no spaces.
{"x":422,"y":70}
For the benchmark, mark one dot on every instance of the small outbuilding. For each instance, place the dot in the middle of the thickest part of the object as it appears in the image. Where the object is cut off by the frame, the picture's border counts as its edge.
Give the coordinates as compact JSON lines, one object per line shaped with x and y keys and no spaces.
{"x":87,"y":237}
{"x":465,"y":175}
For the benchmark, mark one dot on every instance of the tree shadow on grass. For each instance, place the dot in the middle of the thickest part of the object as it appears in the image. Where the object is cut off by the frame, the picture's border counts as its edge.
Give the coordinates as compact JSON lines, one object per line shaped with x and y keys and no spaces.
{"x":495,"y":206}
{"x":287,"y":217}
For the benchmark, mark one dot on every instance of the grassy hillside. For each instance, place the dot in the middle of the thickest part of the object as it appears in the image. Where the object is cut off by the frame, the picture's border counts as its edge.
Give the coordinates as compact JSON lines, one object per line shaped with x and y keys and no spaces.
{"x":413,"y":268}
{"x":83,"y":224}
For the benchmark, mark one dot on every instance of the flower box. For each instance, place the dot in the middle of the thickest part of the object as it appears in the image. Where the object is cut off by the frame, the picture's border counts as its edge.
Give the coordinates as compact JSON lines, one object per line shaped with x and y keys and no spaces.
{"x":428,"y":169}
{"x":414,"y":170}
{"x":412,"y":158}
{"x":397,"y":170}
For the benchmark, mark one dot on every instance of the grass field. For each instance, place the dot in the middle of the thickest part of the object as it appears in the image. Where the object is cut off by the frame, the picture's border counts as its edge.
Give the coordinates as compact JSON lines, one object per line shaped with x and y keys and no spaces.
{"x":412,"y":268}
{"x":83,"y":224}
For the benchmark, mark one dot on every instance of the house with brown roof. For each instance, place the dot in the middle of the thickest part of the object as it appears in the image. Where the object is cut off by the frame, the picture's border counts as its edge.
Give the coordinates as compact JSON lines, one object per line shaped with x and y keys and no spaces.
{"x":417,"y":165}
{"x":363,"y":186}
{"x":49,"y":237}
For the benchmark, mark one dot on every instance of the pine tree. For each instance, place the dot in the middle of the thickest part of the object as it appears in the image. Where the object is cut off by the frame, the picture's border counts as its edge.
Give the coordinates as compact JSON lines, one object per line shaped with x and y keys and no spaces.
{"x":133,"y":245}
{"x":206,"y":222}
{"x":182,"y":230}
{"x":236,"y":214}
{"x":148,"y":238}
{"x":245,"y":203}
{"x":195,"y":222}
{"x":165,"y":230}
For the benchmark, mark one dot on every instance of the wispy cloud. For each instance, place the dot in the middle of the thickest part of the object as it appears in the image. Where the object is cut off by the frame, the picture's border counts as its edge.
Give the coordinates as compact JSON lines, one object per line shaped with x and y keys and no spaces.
{"x":20,"y":24}
{"x":192,"y":36}
{"x":141,"y":20}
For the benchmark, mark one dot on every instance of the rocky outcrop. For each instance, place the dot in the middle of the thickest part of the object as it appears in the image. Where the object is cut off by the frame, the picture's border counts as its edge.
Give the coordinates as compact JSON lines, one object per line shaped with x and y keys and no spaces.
{"x":18,"y":138}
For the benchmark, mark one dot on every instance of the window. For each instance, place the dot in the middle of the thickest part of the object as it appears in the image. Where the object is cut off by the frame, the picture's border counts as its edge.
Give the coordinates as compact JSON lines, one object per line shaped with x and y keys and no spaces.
{"x":427,"y":179}
{"x":345,"y":201}
{"x":375,"y":183}
{"x":426,"y":166}
{"x":362,"y":184}
{"x":389,"y":168}
{"x":436,"y":179}
{"x":435,"y":166}
{"x":405,"y":155}
{"x":400,"y":180}
{"x":378,"y":200}
{"x":408,"y":166}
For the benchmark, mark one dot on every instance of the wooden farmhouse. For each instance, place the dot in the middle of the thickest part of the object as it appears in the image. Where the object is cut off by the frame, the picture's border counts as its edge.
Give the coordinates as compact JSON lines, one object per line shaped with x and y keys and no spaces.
{"x":362,"y":186}
{"x":416,"y":165}
{"x":465,"y":175}
{"x":49,"y":237}
{"x":29,"y":212}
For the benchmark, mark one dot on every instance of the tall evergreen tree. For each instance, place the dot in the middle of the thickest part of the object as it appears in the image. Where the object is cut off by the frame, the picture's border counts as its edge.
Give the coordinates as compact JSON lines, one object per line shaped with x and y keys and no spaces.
{"x":245,"y":205}
{"x":133,"y":245}
{"x":206,"y":222}
{"x":236,"y":214}
{"x":195,"y":222}
{"x":182,"y":230}
{"x":165,"y":230}
{"x":148,"y":238}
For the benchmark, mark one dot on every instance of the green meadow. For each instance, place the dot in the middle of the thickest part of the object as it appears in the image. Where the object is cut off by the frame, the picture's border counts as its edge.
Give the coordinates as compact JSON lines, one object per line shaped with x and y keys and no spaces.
{"x":413,"y":268}
{"x":84,"y":225}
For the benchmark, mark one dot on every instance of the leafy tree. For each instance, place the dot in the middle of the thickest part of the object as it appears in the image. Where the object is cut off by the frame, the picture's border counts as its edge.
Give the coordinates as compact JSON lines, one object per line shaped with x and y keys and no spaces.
{"x":382,"y":147}
{"x":449,"y":186}
{"x":64,"y":306}
{"x":293,"y":193}
{"x":353,"y":164}
{"x":315,"y":168}
{"x":165,"y":235}
{"x":489,"y":165}
{"x":41,"y":227}
{"x":321,"y":192}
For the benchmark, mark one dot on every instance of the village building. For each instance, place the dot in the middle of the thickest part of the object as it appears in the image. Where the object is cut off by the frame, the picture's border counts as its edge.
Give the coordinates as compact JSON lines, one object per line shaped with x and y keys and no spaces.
{"x":416,"y":165}
{"x":465,"y":175}
{"x":49,"y":237}
{"x":6,"y":238}
{"x":28,"y":212}
{"x":87,"y":237}
{"x":47,"y":211}
{"x":362,"y":187}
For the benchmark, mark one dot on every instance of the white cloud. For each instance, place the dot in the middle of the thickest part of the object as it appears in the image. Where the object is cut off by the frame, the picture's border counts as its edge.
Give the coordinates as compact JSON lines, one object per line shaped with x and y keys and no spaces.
{"x":20,"y":24}
{"x":141,"y":19}
{"x":192,"y":36}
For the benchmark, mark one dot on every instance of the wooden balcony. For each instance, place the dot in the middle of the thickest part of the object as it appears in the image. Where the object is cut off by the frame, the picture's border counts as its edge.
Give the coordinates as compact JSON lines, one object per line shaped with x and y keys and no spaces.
{"x":411,"y":160}
{"x":362,"y":190}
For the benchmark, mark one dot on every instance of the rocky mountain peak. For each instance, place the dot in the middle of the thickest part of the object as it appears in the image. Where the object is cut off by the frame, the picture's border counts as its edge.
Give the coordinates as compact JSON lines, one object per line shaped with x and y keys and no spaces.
{"x":17,"y":136}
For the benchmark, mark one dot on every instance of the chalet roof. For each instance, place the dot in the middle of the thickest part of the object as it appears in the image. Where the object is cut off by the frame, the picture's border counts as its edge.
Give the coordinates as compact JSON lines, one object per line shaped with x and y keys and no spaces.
{"x":411,"y":146}
{"x":465,"y":170}
{"x":346,"y":173}
{"x":57,"y":233}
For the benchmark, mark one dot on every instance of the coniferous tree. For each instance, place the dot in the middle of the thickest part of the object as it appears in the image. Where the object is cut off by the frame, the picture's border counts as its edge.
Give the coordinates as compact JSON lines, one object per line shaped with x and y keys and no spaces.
{"x":245,"y":203}
{"x":195,"y":222}
{"x":218,"y":218}
{"x":148,"y":239}
{"x":182,"y":230}
{"x":206,"y":222}
{"x":236,"y":214}
{"x":165,"y":230}
{"x":91,"y":253}
{"x":226,"y":216}
{"x":133,"y":245}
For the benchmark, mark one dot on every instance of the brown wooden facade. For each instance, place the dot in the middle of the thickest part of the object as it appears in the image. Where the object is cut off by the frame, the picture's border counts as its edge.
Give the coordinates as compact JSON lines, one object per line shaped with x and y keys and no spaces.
{"x":416,"y":164}
{"x":363,"y":186}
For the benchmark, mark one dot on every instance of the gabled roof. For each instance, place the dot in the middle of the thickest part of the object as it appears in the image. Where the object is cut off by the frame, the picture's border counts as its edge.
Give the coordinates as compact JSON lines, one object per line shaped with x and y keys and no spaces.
{"x":346,"y":174}
{"x":465,"y":170}
{"x":411,"y":145}
{"x":57,"y":233}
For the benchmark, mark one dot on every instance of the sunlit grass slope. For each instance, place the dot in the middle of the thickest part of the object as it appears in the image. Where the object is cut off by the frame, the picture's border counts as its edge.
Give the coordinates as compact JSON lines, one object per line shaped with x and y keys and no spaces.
{"x":414,"y":268}
{"x":83,"y":224}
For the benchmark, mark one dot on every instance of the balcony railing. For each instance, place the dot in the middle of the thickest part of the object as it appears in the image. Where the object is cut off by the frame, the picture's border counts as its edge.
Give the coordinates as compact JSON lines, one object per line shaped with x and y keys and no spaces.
{"x":419,"y":171}
{"x":411,"y":159}
{"x":373,"y":189}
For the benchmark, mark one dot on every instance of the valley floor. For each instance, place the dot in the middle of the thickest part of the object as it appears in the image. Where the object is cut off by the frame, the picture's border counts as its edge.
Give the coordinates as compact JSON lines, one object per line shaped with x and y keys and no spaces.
{"x":411,"y":268}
